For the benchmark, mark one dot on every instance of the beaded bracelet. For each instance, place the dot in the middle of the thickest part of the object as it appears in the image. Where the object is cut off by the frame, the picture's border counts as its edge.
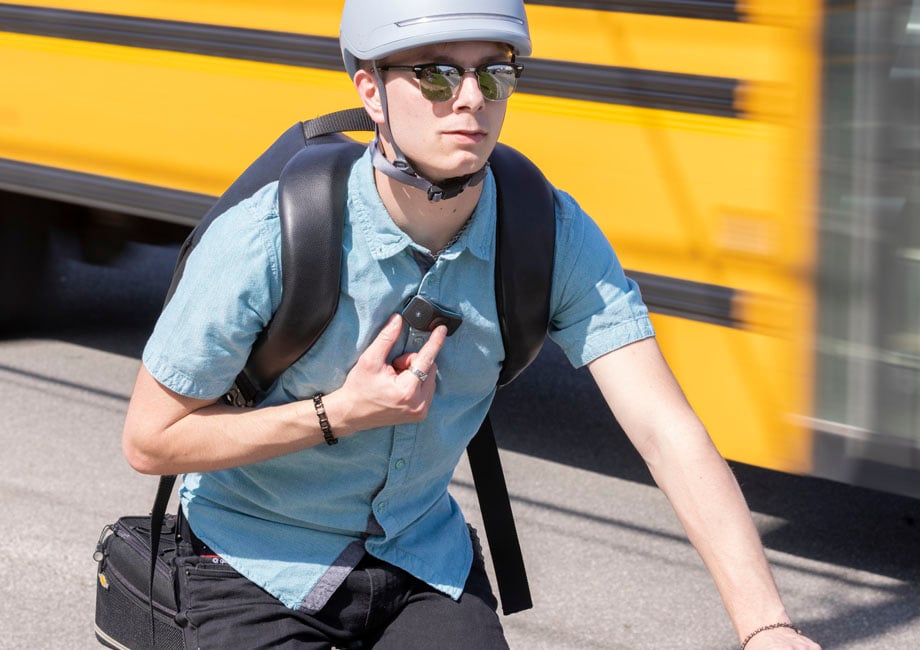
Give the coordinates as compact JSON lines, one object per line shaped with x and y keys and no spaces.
{"x":765,"y":628}
{"x":323,"y":420}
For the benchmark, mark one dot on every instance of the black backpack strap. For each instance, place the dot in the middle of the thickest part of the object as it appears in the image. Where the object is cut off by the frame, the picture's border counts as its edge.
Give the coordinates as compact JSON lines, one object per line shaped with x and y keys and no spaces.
{"x":311,"y":257}
{"x":525,"y":244}
{"x":351,"y":119}
{"x":498,"y":520}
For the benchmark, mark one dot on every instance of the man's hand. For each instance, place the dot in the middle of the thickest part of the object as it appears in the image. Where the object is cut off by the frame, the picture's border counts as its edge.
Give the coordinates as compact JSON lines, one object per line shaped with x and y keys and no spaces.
{"x":378,"y":393}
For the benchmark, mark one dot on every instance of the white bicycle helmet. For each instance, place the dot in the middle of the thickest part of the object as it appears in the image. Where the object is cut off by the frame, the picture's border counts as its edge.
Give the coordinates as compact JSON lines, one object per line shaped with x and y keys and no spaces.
{"x":374,"y":29}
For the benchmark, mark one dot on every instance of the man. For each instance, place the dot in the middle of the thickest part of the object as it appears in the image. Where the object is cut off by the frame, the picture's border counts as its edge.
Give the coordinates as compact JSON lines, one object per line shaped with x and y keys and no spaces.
{"x":322,"y":517}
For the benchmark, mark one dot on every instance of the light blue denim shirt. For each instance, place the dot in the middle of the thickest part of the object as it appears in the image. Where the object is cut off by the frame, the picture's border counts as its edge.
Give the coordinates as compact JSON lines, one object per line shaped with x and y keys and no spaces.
{"x":296,"y":525}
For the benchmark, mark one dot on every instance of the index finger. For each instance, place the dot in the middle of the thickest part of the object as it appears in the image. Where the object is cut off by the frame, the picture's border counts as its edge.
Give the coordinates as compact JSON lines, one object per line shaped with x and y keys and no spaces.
{"x":380,"y":347}
{"x":429,"y":352}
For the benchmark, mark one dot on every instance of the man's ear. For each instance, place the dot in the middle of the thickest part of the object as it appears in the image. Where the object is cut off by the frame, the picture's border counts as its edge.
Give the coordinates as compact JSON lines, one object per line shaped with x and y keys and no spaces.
{"x":369,"y":92}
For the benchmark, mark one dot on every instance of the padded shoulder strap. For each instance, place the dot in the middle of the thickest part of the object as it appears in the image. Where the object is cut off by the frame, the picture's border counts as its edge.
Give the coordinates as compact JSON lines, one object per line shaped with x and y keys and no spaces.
{"x":311,"y":256}
{"x":526,"y":244}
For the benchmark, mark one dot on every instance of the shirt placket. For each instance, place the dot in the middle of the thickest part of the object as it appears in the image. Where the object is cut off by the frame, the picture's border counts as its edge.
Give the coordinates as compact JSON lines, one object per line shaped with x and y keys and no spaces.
{"x":404,"y":435}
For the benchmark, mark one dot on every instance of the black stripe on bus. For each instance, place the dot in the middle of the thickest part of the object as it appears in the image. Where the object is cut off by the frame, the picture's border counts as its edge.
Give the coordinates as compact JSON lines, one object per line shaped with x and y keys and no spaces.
{"x":727,"y":10}
{"x":156,"y":34}
{"x":104,"y":192}
{"x":614,"y":85}
{"x":650,"y":89}
{"x":699,"y":301}
{"x":664,"y":295}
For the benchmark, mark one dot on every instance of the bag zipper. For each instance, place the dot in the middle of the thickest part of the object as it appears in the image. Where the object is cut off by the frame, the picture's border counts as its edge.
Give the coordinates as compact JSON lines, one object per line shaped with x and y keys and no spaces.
{"x":100,"y":555}
{"x":143,"y":550}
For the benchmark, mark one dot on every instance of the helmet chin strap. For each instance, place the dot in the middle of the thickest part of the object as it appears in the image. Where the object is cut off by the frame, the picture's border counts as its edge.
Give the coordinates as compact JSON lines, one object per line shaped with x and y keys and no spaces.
{"x":400,"y":170}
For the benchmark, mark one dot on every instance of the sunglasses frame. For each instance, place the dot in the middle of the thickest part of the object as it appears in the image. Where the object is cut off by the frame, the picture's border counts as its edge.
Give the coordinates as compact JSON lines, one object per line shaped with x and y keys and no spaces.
{"x":479,"y":70}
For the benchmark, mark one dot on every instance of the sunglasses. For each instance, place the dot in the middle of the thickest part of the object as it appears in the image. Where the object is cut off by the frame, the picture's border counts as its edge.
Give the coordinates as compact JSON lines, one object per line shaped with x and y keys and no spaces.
{"x":439,"y":82}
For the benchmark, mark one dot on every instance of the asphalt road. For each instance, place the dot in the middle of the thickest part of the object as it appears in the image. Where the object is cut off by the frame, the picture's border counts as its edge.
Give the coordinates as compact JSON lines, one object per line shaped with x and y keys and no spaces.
{"x":608,"y":562}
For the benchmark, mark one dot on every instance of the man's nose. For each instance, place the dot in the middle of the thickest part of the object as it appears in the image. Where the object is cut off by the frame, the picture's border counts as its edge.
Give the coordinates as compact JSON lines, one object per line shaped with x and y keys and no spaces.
{"x":469,"y":93}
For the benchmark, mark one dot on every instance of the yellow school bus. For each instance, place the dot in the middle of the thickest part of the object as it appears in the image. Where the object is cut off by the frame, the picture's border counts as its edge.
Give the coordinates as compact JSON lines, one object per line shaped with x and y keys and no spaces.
{"x":755,"y":164}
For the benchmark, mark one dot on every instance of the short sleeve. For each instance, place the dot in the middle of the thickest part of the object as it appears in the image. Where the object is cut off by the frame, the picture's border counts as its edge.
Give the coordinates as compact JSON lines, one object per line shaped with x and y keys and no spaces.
{"x":230,"y":287}
{"x":595,"y":307}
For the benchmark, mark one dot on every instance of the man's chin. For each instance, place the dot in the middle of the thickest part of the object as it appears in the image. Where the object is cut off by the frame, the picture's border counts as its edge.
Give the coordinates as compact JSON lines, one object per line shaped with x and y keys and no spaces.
{"x":468,"y":167}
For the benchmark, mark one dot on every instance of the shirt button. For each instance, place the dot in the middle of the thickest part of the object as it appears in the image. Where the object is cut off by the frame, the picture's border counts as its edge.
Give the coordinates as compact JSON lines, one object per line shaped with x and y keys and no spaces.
{"x":400,"y":463}
{"x":382,"y":506}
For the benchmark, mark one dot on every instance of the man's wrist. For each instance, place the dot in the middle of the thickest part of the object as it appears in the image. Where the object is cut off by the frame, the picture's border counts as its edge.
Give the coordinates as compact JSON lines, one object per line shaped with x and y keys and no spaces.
{"x":765,"y":628}
{"x":337,"y":413}
{"x":321,"y":415}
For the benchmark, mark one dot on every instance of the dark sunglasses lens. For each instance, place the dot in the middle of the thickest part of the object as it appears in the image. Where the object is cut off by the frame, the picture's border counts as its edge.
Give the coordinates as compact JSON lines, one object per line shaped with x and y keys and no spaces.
{"x":438,"y":82}
{"x":497,"y":81}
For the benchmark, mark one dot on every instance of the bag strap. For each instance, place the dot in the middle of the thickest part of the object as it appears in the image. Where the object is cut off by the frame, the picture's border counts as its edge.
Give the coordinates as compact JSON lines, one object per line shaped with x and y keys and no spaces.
{"x":351,"y":119}
{"x":157,"y":516}
{"x":498,"y":520}
{"x":525,"y":241}
{"x":526,"y":246}
{"x":311,"y":256}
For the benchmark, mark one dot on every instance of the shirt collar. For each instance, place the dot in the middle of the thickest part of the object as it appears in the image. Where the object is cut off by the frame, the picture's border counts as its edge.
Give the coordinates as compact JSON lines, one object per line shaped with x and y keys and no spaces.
{"x":385,"y":239}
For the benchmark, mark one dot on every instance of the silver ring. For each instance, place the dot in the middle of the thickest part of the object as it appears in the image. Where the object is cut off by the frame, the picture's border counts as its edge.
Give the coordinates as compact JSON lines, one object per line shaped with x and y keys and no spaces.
{"x":422,"y":376}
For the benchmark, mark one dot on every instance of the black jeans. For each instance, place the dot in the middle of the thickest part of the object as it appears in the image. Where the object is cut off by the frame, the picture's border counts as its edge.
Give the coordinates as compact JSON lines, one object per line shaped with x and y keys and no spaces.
{"x":378,"y":606}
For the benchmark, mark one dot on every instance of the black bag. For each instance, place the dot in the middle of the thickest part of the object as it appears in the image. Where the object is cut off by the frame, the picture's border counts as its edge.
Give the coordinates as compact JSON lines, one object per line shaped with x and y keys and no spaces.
{"x":123,"y":613}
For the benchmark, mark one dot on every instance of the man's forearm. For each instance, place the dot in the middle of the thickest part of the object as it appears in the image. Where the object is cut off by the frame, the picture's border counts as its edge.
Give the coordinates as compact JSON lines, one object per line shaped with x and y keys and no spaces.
{"x":706,"y":497}
{"x":167,"y":434}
